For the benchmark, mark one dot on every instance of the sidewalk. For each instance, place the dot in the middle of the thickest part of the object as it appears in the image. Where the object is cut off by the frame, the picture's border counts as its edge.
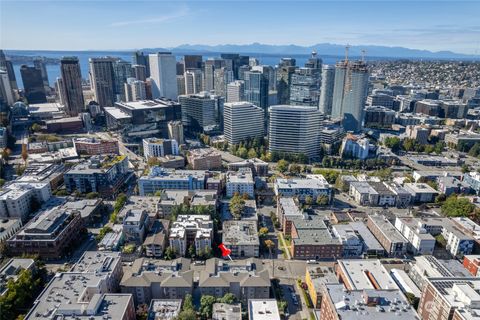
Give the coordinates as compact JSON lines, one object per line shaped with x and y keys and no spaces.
{"x":284,"y":246}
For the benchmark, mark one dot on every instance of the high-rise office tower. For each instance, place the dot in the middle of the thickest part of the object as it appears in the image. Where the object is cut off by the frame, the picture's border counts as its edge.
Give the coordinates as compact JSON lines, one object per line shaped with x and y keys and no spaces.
{"x":326,"y":91}
{"x":242,"y":120}
{"x":102,"y":80}
{"x":349,"y":93}
{"x":180,"y":68}
{"x":139,"y":72}
{"x":305,"y":83}
{"x":269,"y":73}
{"x":175,"y":131}
{"x":134,"y":90}
{"x":6,"y":92}
{"x":39,"y":63}
{"x":252,"y":62}
{"x":33,"y":84}
{"x":8,"y":67}
{"x":163,"y":71}
{"x":72,"y":85}
{"x":60,"y":90}
{"x":242,"y":70}
{"x":233,"y":61}
{"x":209,"y":76}
{"x":198,"y":112}
{"x":193,"y":81}
{"x":181,"y":85}
{"x":192,"y":61}
{"x":122,"y":70}
{"x":294,"y":130}
{"x":142,"y":59}
{"x":285,"y":69}
{"x":222,"y":77}
{"x":256,"y":89}
{"x":236,"y":91}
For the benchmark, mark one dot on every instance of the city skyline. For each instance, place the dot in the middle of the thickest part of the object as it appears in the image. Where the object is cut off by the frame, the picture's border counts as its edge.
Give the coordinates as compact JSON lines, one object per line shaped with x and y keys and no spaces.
{"x":97,"y":25}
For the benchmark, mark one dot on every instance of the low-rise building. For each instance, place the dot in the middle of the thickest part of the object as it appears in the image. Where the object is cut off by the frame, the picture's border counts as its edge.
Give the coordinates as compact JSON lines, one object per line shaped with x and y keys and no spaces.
{"x":8,"y":227}
{"x":164,"y":309}
{"x":246,"y":279}
{"x":364,"y":274}
{"x":471,"y":262}
{"x":48,"y":234}
{"x":341,"y":304}
{"x":286,"y":209}
{"x":473,"y":180}
{"x":363,"y":193}
{"x":312,"y":239}
{"x":156,"y":240}
{"x":263,"y":309}
{"x":92,"y":146}
{"x":241,"y":237}
{"x":102,"y":174}
{"x":450,"y":185}
{"x":316,"y":277}
{"x":159,"y":179}
{"x":258,"y":167}
{"x":224,"y":311}
{"x":170,"y":199}
{"x":135,"y":225}
{"x":154,"y":148}
{"x":157,"y":279}
{"x":352,"y":243}
{"x":314,"y":185}
{"x":421,"y":242}
{"x":355,"y":147}
{"x":240,"y":182}
{"x":421,"y":192}
{"x":204,"y":159}
{"x":11,"y":270}
{"x":191,"y":230}
{"x":388,"y":236}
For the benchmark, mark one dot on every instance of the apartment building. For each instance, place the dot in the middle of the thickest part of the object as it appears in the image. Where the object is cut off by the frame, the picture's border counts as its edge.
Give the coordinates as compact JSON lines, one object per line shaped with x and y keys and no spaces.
{"x":204,"y":159}
{"x":388,"y":236}
{"x":92,"y":146}
{"x":191,"y":230}
{"x":316,"y":277}
{"x":159,"y":179}
{"x":240,"y":182}
{"x":421,"y":242}
{"x":241,"y":237}
{"x":314,"y":185}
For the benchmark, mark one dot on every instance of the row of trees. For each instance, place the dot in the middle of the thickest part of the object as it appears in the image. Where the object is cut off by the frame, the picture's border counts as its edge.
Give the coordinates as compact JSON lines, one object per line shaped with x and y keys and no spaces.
{"x":455,"y":206}
{"x":408,"y":144}
{"x":119,"y":203}
{"x":356,"y":164}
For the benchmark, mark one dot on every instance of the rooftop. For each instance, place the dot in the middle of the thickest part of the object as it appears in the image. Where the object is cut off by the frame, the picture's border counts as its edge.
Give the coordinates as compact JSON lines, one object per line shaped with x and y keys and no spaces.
{"x":164,"y":309}
{"x":97,"y":262}
{"x":367,"y":274}
{"x":240,"y":233}
{"x":259,"y":309}
{"x":388,"y":229}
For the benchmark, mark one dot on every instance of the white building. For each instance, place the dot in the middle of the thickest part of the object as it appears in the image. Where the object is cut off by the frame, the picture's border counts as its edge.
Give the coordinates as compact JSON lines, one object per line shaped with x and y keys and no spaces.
{"x":188,"y":227}
{"x":242,"y":120}
{"x":421,"y":242}
{"x":263,"y":309}
{"x":135,"y":90}
{"x":153,"y":147}
{"x":135,"y":225}
{"x":241,"y":236}
{"x":352,"y":244}
{"x":314,"y":185}
{"x":193,"y":81}
{"x":163,"y":73}
{"x":240,"y":181}
{"x":355,"y":147}
{"x":236,"y":91}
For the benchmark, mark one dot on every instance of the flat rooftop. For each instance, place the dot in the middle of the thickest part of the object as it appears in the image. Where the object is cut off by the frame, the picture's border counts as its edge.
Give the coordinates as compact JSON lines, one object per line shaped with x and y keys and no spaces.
{"x":240,"y":233}
{"x":263,"y":309}
{"x":387,"y":228}
{"x":97,"y":261}
{"x":362,"y":274}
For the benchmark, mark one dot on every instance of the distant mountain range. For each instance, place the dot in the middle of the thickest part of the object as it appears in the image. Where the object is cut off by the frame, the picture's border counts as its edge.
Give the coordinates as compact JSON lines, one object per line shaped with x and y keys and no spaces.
{"x":323,"y":49}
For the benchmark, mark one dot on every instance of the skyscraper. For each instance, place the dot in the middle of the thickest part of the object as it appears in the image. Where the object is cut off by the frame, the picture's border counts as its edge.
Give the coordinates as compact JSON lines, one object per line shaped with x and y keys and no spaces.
{"x":209,"y":76}
{"x":142,"y":59}
{"x":222,"y":76}
{"x":285,"y":70}
{"x":8,"y":67}
{"x":134,"y":90}
{"x":305,"y":83}
{"x":122,"y":70}
{"x":326,"y":91}
{"x":269,"y":73}
{"x":60,"y":90}
{"x":294,"y":130}
{"x":256,"y":89}
{"x":71,"y":84}
{"x":349,"y":93}
{"x":6,"y":92}
{"x":193,"y":81}
{"x":236,"y":91}
{"x":198,"y":112}
{"x":102,"y":80}
{"x":192,"y":61}
{"x":139,"y":72}
{"x":242,"y":120}
{"x":39,"y":63}
{"x":33,"y":84}
{"x":163,"y":71}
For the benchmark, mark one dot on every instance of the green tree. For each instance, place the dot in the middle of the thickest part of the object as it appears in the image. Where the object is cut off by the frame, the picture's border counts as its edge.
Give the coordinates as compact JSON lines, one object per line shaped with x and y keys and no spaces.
{"x":103,"y":231}
{"x":295,"y":168}
{"x":191,"y":251}
{"x":440,"y":198}
{"x":142,"y":312}
{"x":323,"y":200}
{"x":263,"y":232}
{"x":187,"y":315}
{"x":282,"y":305}
{"x":228,"y":298}
{"x":242,"y":152}
{"x":394,"y":143}
{"x":92,"y":195}
{"x":457,"y":207}
{"x":170,"y":253}
{"x":2,"y":182}
{"x":36,"y":127}
{"x":282,"y":165}
{"x":206,"y":306}
{"x":252,"y":153}
{"x":308,"y":200}
{"x":188,"y":303}
{"x":237,"y":206}
{"x":270,"y":245}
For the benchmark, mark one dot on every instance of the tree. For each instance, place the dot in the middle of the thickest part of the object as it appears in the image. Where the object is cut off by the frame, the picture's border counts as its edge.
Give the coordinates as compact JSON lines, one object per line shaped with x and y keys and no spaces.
{"x":270,"y":245}
{"x":263,"y":232}
{"x":92,"y":195}
{"x":188,"y":303}
{"x":36,"y":127}
{"x":237,"y":206}
{"x":19,"y":170}
{"x":103,"y":232}
{"x":295,"y":168}
{"x":308,"y":200}
{"x":6,"y":152}
{"x":24,"y":153}
{"x":242,"y":152}
{"x":191,"y":251}
{"x":440,"y":198}
{"x":228,"y":298}
{"x":282,"y":305}
{"x":153,"y":161}
{"x":206,"y":306}
{"x":142,"y":312}
{"x":170,"y":253}
{"x":252,"y":153}
{"x":282,"y":165}
{"x":2,"y":182}
{"x":323,"y":200}
{"x":457,"y":207}
{"x":187,"y":315}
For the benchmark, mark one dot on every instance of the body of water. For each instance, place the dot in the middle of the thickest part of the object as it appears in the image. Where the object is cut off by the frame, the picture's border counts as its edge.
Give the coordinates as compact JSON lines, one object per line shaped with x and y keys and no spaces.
{"x":53,"y":70}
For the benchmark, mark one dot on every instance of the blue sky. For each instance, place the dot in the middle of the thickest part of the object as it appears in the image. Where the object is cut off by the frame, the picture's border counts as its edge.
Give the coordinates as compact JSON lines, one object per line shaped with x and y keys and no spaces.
{"x":120,"y":24}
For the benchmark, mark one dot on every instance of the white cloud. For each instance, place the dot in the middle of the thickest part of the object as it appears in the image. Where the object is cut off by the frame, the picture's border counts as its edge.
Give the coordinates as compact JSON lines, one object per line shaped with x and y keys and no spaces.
{"x":181,"y":12}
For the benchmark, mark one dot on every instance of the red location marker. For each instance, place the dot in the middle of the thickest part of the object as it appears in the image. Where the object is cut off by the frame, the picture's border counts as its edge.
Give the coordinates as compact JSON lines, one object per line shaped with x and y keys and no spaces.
{"x":225,"y":251}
